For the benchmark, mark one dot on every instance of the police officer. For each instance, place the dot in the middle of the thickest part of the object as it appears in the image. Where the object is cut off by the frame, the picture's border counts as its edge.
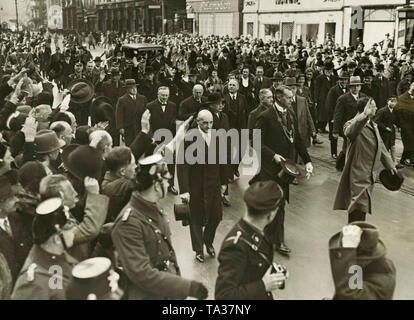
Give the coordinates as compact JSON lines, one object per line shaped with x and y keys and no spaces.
{"x":53,"y":234}
{"x":246,"y":270}
{"x":142,"y":239}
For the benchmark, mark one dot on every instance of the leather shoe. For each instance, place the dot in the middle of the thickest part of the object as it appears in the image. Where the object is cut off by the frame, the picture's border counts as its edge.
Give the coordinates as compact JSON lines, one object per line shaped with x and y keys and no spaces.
{"x":283,"y":249}
{"x":200,"y":257}
{"x":237,"y":173}
{"x":226,"y":202}
{"x":210,"y":250}
{"x":172,"y":190}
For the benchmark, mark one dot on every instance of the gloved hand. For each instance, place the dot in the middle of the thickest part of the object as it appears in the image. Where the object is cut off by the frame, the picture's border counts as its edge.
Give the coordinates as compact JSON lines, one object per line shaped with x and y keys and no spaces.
{"x":198,"y":290}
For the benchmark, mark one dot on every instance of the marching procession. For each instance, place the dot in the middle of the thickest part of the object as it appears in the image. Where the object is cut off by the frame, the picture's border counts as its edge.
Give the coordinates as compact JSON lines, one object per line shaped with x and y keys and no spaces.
{"x":86,"y":163}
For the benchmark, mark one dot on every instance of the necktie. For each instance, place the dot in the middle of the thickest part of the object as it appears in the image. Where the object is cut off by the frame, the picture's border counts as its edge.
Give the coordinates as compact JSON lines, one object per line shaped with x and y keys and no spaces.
{"x":4,"y":223}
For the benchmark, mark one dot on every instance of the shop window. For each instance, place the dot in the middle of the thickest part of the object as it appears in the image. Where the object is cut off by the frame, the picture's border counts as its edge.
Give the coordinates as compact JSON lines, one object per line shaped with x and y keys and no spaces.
{"x":271,"y":30}
{"x":250,"y":29}
{"x":287,"y":32}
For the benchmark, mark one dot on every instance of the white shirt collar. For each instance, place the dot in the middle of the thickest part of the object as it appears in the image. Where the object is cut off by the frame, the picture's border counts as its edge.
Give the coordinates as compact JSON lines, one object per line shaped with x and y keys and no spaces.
{"x":279,"y":108}
{"x":355,"y":96}
{"x":206,"y":136}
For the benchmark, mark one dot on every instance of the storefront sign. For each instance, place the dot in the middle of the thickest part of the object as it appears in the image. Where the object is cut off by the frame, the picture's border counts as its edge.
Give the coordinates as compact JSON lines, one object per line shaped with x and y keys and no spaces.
{"x":219,"y":6}
{"x":293,"y":5}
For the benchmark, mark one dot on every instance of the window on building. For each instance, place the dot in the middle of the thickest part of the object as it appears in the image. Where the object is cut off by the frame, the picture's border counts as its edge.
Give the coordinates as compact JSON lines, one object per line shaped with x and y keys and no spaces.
{"x":250,"y":29}
{"x":379,"y":14}
{"x":271,"y":30}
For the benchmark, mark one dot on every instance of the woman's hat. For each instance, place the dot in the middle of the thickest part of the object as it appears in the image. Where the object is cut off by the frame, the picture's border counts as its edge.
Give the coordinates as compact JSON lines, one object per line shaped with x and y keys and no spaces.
{"x":370,"y":247}
{"x":391,"y":181}
{"x":289,"y":171}
{"x":81,"y":91}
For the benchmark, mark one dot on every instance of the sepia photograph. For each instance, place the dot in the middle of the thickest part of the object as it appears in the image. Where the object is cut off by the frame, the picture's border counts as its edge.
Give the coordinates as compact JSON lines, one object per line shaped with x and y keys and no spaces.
{"x":184,"y":150}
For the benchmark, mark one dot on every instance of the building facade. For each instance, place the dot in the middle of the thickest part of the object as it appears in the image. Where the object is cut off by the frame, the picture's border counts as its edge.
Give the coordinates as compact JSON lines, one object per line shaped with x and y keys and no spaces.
{"x":218,"y":17}
{"x":315,"y":20}
{"x":80,"y":15}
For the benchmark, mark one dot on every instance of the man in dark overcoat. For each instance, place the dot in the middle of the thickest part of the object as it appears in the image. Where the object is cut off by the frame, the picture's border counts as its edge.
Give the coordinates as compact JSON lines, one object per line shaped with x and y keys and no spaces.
{"x":280,"y":140}
{"x":323,"y":83}
{"x":202,"y":183}
{"x":129,"y":110}
{"x":192,"y":104}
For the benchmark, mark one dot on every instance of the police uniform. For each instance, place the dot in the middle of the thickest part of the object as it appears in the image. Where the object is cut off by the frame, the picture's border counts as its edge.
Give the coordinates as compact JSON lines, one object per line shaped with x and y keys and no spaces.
{"x":141,"y":237}
{"x":36,"y":276}
{"x":244,"y":258}
{"x":246,"y":254}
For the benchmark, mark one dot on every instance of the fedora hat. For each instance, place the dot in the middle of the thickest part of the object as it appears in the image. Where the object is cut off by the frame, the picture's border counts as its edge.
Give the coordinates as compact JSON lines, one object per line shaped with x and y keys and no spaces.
{"x":370,"y":247}
{"x":329,"y":65}
{"x":289,"y":171}
{"x":277,"y":76}
{"x":355,"y":81}
{"x":344,"y":75}
{"x":102,"y":109}
{"x":129,"y":83}
{"x":391,"y":181}
{"x":214,"y":97}
{"x":81,"y":91}
{"x":290,"y":81}
{"x":47,"y":141}
{"x":83,"y":161}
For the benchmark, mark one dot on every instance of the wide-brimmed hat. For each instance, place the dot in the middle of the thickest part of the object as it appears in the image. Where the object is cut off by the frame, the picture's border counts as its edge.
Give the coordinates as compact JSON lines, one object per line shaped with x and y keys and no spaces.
{"x":130,"y":83}
{"x":83,"y":161}
{"x":102,"y":109}
{"x":391,"y":181}
{"x":97,"y":59}
{"x":329,"y":65}
{"x":289,"y":171}
{"x":370,"y":247}
{"x":344,"y":75}
{"x":47,"y":141}
{"x":81,"y":91}
{"x":290,"y":81}
{"x":355,"y":81}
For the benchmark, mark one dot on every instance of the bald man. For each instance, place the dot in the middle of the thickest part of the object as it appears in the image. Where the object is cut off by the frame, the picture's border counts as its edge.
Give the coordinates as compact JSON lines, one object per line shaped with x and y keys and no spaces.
{"x":202,"y":183}
{"x":192,"y":104}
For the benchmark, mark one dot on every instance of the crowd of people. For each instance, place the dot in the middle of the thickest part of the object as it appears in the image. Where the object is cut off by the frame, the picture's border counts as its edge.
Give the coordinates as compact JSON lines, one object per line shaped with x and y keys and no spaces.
{"x":82,"y":173}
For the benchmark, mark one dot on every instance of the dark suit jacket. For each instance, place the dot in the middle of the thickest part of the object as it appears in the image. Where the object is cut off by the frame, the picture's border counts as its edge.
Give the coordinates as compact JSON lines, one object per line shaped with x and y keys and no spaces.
{"x":188,"y":107}
{"x":333,"y":96}
{"x":237,"y":116}
{"x":322,"y":86}
{"x":257,"y":86}
{"x":160,"y":119}
{"x":346,"y":108}
{"x":384,"y":91}
{"x":274,"y":142}
{"x":129,"y":112}
{"x":15,"y":249}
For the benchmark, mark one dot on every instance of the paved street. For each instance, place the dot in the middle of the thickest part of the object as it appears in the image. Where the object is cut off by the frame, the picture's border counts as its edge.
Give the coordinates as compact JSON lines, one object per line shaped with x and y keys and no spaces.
{"x":310,"y":222}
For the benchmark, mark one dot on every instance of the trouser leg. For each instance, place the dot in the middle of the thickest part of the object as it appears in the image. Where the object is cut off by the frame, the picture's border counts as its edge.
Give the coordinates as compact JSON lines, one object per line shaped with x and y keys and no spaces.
{"x":171,"y":170}
{"x":334,"y":142}
{"x":209,"y":233}
{"x":196,"y":233}
{"x":275,"y":230}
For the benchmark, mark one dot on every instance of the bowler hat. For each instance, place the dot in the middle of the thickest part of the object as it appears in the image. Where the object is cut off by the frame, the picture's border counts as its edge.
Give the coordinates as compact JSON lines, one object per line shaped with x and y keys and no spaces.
{"x":355,"y":81}
{"x":329,"y":65}
{"x":290,"y":81}
{"x":91,"y":276}
{"x":82,"y":161}
{"x":130,"y":83}
{"x":102,"y":109}
{"x":263,"y":195}
{"x":391,"y":181}
{"x":289,"y":171}
{"x":370,"y":246}
{"x":47,"y":141}
{"x":81,"y":91}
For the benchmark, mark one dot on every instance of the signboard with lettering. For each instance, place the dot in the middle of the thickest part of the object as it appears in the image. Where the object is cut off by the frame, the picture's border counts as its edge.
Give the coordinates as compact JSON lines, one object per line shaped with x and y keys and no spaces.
{"x":219,"y":6}
{"x":300,"y":5}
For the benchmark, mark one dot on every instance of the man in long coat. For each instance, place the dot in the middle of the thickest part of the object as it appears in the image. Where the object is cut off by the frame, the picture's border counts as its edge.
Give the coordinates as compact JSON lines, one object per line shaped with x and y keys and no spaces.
{"x":365,"y":153}
{"x":323,"y":84}
{"x":129,"y":111}
{"x":202,"y":184}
